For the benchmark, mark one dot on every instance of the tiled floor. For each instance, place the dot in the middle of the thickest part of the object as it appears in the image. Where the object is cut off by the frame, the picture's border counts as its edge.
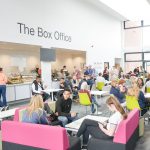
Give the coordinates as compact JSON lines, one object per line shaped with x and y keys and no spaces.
{"x":142,"y":144}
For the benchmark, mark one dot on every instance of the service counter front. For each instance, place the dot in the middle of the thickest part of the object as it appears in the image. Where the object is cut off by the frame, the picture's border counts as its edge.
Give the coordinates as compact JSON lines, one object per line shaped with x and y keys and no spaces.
{"x":18,"y":91}
{"x":22,"y":91}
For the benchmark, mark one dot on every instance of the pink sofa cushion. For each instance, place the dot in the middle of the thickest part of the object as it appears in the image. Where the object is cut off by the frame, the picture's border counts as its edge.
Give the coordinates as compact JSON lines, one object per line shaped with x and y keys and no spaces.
{"x":17,"y":115}
{"x":127,"y":127}
{"x":35,"y":135}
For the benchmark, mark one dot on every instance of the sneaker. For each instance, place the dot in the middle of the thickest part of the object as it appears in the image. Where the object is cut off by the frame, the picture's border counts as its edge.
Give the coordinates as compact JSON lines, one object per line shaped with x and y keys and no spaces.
{"x":84,"y":147}
{"x":2,"y":109}
{"x":6,"y":107}
{"x":94,"y":111}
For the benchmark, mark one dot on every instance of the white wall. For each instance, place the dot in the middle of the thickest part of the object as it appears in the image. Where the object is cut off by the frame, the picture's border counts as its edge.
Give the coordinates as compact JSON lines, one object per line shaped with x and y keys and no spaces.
{"x":28,"y":59}
{"x":85,"y":23}
{"x":68,"y":59}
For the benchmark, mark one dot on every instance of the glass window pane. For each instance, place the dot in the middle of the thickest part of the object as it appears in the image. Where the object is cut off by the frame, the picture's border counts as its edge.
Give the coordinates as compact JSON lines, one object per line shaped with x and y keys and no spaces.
{"x":130,"y":24}
{"x":146,"y":38}
{"x":146,"y":56}
{"x":130,"y":66}
{"x":134,"y":57}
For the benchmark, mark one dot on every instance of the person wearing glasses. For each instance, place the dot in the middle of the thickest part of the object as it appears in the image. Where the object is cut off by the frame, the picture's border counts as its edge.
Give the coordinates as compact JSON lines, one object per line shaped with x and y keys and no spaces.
{"x":103,"y":130}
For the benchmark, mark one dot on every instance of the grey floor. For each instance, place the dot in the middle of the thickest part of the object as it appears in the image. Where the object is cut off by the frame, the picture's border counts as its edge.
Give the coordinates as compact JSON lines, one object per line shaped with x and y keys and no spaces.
{"x":143,"y":143}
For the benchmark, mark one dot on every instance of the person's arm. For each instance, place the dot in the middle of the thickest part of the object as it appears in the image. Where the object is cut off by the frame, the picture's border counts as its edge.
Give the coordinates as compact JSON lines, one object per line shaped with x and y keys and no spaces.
{"x":59,"y":109}
{"x":5,"y":79}
{"x":33,"y":89}
{"x":109,"y":132}
{"x":43,"y":119}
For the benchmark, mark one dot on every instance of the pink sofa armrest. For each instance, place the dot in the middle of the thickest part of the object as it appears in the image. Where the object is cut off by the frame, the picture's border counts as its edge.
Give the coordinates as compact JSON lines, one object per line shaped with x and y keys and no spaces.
{"x":127,"y":127}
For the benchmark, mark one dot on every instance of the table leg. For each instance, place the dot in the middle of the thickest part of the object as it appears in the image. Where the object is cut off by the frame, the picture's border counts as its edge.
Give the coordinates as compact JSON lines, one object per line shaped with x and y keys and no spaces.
{"x":97,"y":113}
{"x":52,"y":97}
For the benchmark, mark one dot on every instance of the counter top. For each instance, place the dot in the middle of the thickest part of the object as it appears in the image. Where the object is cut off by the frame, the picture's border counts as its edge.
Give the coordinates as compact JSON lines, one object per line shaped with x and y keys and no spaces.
{"x":25,"y":83}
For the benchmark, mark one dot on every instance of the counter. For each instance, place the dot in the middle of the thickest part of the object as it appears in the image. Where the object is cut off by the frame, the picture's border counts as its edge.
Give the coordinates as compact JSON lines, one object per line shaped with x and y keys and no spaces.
{"x":21,"y":91}
{"x":18,"y":91}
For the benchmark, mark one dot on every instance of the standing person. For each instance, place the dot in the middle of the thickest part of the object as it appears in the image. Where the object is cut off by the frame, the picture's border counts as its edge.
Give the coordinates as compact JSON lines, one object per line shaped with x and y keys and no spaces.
{"x":3,"y":81}
{"x":37,"y":88}
{"x":63,"y":108}
{"x":106,"y":73}
{"x":77,"y":73}
{"x":104,"y":130}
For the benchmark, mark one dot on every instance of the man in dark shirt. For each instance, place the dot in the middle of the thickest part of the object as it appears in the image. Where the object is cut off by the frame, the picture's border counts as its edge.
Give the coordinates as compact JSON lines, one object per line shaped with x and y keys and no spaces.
{"x":63,"y":108}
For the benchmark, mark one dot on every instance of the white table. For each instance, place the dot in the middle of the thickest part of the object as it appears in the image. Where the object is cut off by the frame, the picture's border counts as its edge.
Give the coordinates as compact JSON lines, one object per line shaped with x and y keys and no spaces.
{"x":107,"y":82}
{"x":98,"y":93}
{"x":51,"y":91}
{"x":75,"y":125}
{"x":147,"y":95}
{"x":7,"y":113}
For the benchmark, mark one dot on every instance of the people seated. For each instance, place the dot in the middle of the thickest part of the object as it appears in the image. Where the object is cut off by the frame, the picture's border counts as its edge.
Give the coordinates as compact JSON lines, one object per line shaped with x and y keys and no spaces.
{"x":118,"y":91}
{"x":75,"y":84}
{"x":100,"y":78}
{"x":135,"y":91}
{"x":63,"y":108}
{"x":37,"y":88}
{"x":103,"y":130}
{"x":35,"y":113}
{"x":84,"y":87}
{"x":140,"y":84}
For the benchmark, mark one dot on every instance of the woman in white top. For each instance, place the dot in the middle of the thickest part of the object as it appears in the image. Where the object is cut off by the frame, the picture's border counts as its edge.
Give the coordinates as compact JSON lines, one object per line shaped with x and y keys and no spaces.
{"x":103,"y":130}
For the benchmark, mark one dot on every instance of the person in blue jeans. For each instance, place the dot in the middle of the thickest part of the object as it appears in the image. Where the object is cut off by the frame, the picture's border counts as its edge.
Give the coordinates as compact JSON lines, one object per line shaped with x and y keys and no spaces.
{"x":63,"y":108}
{"x":3,"y":81}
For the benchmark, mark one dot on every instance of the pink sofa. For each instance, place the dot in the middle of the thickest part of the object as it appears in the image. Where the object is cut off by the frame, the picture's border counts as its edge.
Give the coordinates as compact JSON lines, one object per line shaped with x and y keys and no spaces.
{"x":26,"y":136}
{"x":125,"y":137}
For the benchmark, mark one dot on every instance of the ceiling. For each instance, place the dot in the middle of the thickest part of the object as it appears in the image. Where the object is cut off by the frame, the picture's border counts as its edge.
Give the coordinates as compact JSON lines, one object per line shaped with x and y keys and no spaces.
{"x":131,"y":9}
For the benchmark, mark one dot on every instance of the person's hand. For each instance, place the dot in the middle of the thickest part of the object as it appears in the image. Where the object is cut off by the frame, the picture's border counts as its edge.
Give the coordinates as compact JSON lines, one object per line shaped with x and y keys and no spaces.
{"x":62,"y":85}
{"x":41,"y":92}
{"x":56,"y":113}
{"x":100,"y":125}
{"x":45,"y":86}
{"x":73,"y":114}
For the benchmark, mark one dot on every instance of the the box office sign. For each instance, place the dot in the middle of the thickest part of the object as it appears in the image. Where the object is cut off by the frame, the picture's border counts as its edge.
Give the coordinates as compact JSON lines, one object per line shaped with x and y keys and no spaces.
{"x":42,"y":33}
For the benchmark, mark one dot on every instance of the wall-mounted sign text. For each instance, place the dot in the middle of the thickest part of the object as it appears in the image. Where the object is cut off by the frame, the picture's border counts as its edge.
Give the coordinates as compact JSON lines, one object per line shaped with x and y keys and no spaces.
{"x":40,"y":32}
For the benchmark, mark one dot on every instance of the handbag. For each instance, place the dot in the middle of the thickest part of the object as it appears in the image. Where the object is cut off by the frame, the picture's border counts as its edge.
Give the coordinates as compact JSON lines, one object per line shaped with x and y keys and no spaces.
{"x":52,"y":117}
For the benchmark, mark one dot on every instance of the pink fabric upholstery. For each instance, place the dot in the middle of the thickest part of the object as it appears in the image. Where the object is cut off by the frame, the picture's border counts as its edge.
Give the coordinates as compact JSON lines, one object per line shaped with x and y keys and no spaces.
{"x":16,"y":116}
{"x":41,"y":136}
{"x":127,"y":127}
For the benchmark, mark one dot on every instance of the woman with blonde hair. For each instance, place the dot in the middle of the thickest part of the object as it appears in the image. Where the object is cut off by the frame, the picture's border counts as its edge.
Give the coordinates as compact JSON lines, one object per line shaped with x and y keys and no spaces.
{"x":103,"y":130}
{"x":35,"y":113}
{"x":135,"y":91}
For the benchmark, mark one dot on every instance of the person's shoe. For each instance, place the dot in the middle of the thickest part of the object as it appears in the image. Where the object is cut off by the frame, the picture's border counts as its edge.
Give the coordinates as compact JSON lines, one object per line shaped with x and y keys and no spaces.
{"x":94,"y":111}
{"x":2,"y":109}
{"x":6,"y":107}
{"x":84,"y":147}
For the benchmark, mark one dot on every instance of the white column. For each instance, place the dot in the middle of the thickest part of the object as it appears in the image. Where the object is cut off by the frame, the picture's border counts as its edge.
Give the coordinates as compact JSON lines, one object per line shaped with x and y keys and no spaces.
{"x":46,"y":73}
